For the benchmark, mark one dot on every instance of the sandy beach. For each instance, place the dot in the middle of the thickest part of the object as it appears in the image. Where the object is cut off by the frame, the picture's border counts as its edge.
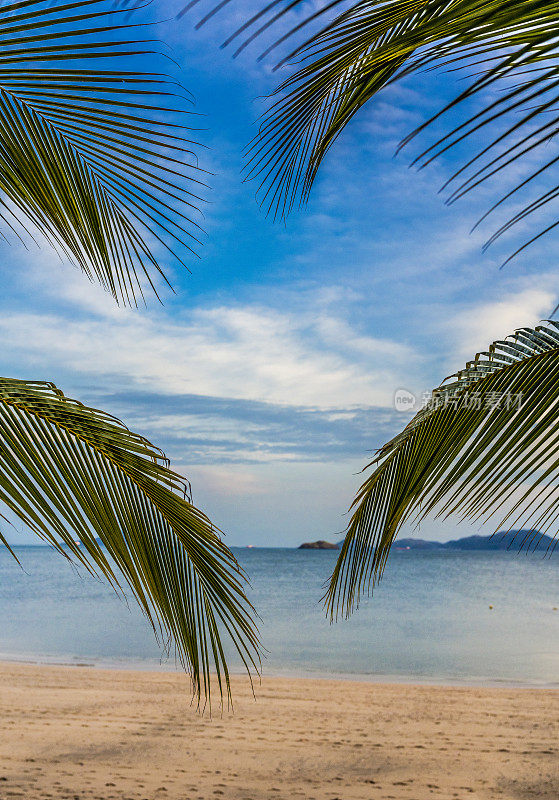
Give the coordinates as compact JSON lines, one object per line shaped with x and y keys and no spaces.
{"x":78,"y":733}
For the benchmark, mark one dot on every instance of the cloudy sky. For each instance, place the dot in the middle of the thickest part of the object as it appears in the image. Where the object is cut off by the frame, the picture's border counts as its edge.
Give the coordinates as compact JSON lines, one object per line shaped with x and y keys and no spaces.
{"x":270,"y":375}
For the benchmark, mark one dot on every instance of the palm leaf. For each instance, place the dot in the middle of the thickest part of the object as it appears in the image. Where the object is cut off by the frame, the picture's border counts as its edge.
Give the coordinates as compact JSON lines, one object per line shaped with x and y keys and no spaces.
{"x":94,"y":155}
{"x":74,"y":473}
{"x":485,"y":448}
{"x":505,"y":45}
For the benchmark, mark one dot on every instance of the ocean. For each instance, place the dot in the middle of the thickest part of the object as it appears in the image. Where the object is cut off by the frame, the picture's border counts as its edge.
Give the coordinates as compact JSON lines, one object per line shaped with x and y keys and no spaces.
{"x":429,"y":620}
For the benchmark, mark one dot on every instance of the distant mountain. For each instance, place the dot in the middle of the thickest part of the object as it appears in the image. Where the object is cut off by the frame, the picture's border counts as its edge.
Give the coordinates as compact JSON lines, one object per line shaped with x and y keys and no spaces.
{"x":417,"y":544}
{"x":527,"y":539}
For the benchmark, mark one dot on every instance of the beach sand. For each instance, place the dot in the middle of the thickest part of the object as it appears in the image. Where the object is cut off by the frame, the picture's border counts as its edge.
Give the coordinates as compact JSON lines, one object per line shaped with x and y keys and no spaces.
{"x":78,"y":733}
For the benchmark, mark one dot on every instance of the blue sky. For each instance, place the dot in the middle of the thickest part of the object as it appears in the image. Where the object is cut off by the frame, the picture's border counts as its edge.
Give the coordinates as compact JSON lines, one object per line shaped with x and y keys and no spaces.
{"x":270,"y":374}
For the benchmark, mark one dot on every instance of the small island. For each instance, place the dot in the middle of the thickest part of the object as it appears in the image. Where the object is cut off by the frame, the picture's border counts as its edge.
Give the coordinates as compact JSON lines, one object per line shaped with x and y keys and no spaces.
{"x":320,"y":545}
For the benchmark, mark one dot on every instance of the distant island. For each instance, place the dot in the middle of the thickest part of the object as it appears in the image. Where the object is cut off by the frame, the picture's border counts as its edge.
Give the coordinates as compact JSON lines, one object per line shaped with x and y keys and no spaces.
{"x":527,"y":539}
{"x":320,"y":545}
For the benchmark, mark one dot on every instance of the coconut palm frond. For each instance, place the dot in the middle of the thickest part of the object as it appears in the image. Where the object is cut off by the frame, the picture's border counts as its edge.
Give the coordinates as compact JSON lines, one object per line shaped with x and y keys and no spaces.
{"x":80,"y":479}
{"x":507,"y":46}
{"x":95,"y":156}
{"x":485,"y":448}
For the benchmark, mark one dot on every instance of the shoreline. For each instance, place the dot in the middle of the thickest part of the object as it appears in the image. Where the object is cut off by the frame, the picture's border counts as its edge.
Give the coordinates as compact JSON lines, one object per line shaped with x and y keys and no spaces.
{"x":472,"y":682}
{"x":90,"y":734}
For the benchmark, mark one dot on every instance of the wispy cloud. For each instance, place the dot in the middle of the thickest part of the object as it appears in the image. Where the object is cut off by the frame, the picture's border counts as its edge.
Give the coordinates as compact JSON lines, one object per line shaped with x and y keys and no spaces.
{"x":208,"y":430}
{"x":308,"y":356}
{"x":475,"y":326}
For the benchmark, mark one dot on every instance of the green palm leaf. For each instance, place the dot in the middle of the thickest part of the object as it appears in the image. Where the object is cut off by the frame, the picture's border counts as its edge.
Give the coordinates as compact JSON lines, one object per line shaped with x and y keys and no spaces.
{"x":75,"y":473}
{"x":94,"y":155}
{"x":505,"y":45}
{"x":485,"y":448}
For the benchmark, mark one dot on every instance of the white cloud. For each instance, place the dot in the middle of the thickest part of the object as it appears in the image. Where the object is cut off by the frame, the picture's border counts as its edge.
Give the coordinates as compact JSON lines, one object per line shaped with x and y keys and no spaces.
{"x":312,"y":356}
{"x":475,"y":327}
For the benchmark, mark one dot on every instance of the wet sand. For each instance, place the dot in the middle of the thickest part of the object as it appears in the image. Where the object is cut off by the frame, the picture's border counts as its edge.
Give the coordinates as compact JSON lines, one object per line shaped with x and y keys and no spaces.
{"x":70,"y":733}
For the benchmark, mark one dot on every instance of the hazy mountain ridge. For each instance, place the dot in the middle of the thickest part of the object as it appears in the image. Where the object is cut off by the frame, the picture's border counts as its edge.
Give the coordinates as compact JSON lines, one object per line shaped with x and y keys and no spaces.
{"x":513,"y":540}
{"x":523,"y":539}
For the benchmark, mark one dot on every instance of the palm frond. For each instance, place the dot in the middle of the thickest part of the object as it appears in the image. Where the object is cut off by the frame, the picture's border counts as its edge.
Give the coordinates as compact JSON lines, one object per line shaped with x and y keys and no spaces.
{"x":506,"y":45}
{"x":485,"y":448}
{"x":95,"y":155}
{"x":77,"y":476}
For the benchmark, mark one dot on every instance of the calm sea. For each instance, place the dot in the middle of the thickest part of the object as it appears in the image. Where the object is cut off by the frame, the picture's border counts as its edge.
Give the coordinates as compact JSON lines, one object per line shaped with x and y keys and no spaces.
{"x":429,"y":619}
